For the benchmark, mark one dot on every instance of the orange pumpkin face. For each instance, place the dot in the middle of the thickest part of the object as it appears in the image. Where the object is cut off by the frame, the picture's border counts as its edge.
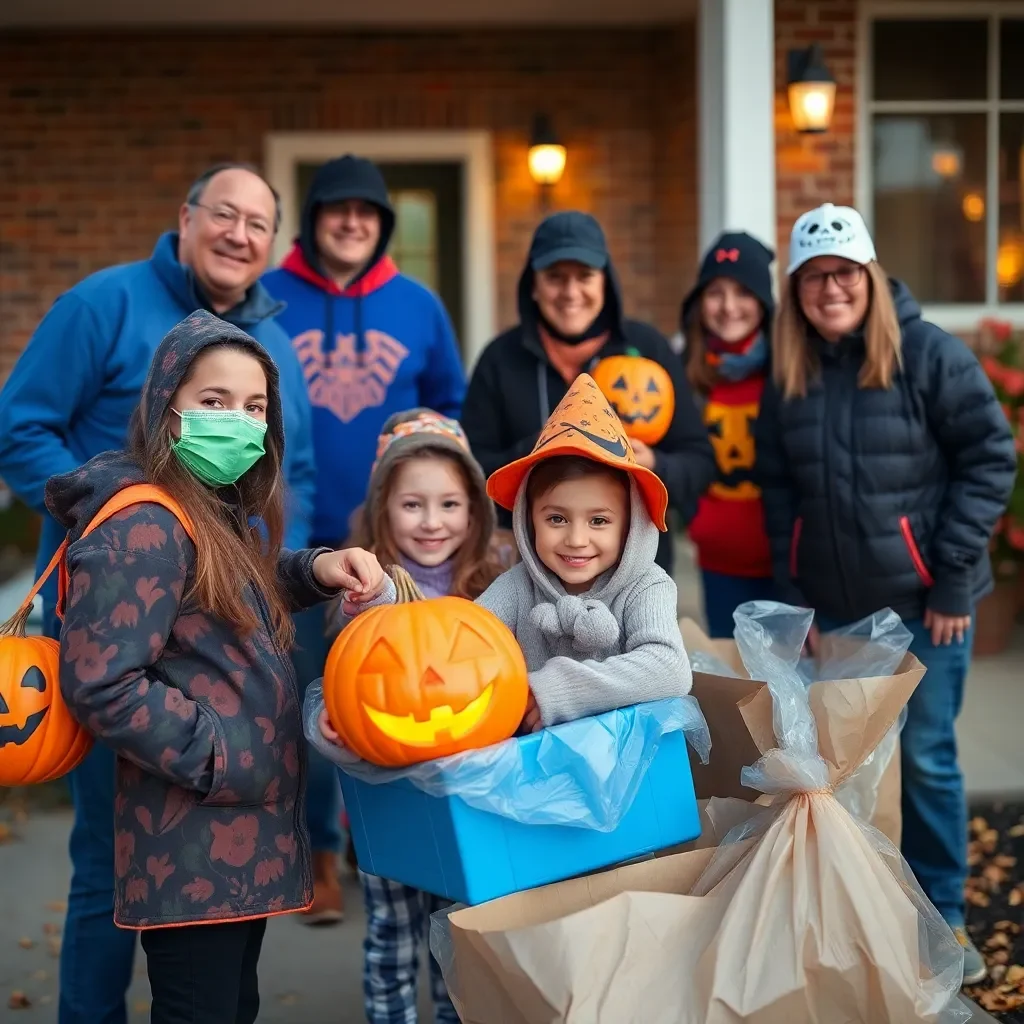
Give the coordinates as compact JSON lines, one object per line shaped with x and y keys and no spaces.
{"x":39,"y":740}
{"x":640,"y":390}
{"x":412,"y":682}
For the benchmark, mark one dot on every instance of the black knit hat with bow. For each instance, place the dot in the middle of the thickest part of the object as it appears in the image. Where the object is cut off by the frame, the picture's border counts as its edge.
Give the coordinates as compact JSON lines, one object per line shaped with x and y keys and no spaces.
{"x":739,"y":256}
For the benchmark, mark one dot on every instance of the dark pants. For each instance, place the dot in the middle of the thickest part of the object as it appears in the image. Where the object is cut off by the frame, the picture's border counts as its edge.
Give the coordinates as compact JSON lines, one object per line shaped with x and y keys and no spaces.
{"x":724,"y":594}
{"x":205,"y":973}
{"x":323,"y":791}
{"x":934,"y":801}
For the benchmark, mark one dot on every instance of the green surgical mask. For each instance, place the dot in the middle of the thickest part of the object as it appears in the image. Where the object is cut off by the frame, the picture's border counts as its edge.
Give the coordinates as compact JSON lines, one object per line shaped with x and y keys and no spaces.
{"x":219,"y":446}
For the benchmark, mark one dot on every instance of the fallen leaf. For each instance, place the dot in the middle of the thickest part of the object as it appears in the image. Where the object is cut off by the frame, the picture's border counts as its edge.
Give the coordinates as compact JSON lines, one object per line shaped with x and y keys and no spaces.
{"x":979,"y":825}
{"x":974,"y":858}
{"x":57,"y":906}
{"x":25,"y":942}
{"x":976,"y":898}
{"x":1016,"y":896}
{"x":1007,"y":926}
{"x":989,"y":840}
{"x":49,"y":928}
{"x":1000,"y":956}
{"x":995,"y":876}
{"x":18,"y":1001}
{"x":1017,"y":831}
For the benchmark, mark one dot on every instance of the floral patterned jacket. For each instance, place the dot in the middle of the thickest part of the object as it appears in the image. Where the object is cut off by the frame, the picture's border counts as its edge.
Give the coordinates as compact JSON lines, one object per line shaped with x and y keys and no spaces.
{"x":209,"y":807}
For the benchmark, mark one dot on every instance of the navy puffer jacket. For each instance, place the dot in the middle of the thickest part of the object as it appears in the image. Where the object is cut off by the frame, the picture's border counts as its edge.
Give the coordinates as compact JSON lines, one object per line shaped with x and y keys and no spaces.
{"x":886,"y":498}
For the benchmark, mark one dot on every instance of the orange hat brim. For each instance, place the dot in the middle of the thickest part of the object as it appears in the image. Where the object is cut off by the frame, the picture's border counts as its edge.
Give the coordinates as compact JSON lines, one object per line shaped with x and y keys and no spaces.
{"x":503,"y":484}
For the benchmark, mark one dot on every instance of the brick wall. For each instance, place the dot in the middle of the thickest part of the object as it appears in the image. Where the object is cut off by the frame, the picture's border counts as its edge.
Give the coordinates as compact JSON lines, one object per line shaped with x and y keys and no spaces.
{"x":813,"y":169}
{"x":102,"y":134}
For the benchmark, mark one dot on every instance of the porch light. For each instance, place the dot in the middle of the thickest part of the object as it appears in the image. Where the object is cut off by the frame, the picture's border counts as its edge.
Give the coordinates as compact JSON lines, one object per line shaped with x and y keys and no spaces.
{"x":812,"y":90}
{"x":547,"y":155}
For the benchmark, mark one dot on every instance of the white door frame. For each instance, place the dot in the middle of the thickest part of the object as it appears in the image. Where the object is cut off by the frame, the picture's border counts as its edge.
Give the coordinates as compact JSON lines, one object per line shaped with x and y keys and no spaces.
{"x":282,"y":151}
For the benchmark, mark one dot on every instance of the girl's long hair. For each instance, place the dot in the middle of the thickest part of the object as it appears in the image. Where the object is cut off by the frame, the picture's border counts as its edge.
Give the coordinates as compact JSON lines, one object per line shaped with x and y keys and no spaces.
{"x":476,"y":564}
{"x":229,"y":552}
{"x":794,"y":359}
{"x":699,"y":372}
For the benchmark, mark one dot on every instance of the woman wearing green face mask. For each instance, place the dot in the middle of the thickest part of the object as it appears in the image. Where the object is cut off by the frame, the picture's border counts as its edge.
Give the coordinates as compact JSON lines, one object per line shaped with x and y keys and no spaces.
{"x":174,"y":652}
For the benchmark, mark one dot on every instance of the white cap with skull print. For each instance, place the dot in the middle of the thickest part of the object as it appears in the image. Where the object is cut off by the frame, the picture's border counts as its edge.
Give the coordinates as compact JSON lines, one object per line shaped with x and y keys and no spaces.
{"x":830,"y":231}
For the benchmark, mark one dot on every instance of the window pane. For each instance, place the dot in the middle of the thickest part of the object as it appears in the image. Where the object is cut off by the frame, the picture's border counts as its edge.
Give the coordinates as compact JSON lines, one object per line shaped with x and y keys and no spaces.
{"x":929,"y":179}
{"x":419,"y":268}
{"x":416,"y":214}
{"x":1011,"y":59}
{"x":1010,"y":259}
{"x":930,"y":60}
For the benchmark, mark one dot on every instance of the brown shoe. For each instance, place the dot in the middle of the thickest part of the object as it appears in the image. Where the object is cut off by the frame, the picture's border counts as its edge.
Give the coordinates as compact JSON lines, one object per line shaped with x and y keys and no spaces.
{"x":328,"y":902}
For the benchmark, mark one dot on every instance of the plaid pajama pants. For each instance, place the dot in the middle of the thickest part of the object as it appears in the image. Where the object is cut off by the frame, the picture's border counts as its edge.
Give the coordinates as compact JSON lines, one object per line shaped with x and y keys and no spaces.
{"x":397,"y":921}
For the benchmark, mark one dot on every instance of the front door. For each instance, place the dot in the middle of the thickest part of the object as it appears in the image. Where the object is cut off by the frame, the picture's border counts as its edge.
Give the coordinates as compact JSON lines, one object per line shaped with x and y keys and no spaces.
{"x":427,"y":244}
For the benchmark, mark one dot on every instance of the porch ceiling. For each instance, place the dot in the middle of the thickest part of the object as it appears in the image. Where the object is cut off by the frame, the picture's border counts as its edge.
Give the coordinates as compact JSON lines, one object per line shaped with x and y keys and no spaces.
{"x":307,"y":13}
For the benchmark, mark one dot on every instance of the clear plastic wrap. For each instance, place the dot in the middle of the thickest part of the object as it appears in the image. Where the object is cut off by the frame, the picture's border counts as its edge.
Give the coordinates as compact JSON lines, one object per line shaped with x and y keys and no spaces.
{"x":873,"y":647}
{"x":584,"y":773}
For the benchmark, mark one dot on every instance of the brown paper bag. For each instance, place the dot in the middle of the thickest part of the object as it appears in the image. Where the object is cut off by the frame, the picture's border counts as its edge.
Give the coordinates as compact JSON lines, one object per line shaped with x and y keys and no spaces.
{"x":723,"y":700}
{"x":809,"y":919}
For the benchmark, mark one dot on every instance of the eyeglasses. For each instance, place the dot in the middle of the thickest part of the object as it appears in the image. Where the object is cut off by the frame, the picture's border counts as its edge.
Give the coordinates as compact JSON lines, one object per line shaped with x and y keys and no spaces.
{"x":846,"y":277}
{"x":226,"y":218}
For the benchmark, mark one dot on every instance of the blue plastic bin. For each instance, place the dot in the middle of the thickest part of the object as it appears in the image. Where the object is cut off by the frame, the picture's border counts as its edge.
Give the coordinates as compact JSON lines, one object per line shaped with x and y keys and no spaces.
{"x":444,"y":846}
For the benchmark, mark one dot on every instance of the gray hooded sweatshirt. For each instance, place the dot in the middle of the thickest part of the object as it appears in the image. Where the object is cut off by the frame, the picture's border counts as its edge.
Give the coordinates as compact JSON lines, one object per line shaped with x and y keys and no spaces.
{"x":615,"y":645}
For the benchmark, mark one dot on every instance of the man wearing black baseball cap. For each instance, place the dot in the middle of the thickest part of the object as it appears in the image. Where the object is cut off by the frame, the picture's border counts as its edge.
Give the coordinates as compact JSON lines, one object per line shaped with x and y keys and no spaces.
{"x":372,"y":342}
{"x":570,"y":318}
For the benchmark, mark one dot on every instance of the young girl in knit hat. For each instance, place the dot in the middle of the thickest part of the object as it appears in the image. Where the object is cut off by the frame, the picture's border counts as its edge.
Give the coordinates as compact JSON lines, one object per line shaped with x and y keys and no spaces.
{"x":593,"y":613}
{"x":427,"y":510}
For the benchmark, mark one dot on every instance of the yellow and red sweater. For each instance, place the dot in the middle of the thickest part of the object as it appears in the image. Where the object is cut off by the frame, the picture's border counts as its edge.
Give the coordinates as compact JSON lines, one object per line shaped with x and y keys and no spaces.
{"x":728,"y":529}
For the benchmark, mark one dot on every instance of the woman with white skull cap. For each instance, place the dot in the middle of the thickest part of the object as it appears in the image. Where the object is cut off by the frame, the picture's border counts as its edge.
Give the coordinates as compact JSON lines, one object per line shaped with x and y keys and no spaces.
{"x":885,"y":462}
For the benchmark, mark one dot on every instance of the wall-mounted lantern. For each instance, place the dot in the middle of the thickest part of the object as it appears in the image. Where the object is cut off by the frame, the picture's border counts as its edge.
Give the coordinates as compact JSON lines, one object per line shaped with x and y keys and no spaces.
{"x":547,"y":155}
{"x":812,"y":90}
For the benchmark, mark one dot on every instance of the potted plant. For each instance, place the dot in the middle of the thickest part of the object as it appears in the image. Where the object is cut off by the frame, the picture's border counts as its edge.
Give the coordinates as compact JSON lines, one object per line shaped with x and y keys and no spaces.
{"x":1001,"y":350}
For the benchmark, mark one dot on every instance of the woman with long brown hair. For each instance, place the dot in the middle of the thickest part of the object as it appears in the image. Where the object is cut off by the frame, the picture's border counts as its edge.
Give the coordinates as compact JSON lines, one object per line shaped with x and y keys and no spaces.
{"x":885,"y":462}
{"x":174,"y":652}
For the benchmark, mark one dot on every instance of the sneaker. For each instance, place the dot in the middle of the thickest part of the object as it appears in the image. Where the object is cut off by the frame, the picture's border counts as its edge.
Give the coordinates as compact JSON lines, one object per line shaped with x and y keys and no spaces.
{"x":975,"y":970}
{"x":328,"y":902}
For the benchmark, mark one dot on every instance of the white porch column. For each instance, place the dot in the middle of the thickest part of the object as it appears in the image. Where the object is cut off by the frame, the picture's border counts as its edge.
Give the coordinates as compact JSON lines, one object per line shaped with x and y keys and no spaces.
{"x":736,"y":87}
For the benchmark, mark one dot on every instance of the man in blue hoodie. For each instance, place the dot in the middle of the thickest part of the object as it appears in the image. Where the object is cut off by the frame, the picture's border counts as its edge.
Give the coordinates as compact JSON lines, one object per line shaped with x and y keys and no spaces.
{"x":70,"y":397}
{"x":372,"y":342}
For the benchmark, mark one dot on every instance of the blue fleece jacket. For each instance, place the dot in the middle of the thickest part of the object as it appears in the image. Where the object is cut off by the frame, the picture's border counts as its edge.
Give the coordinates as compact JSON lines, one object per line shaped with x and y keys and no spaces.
{"x":73,"y":390}
{"x":381,"y":346}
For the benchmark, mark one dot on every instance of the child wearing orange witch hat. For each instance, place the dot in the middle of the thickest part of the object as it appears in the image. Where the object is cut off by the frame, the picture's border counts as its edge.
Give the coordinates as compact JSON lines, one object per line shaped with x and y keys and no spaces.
{"x":593,"y":613}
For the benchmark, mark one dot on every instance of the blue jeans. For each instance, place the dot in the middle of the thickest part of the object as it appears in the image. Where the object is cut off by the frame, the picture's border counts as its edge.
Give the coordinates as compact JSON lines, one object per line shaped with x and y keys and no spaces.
{"x":723,"y":594}
{"x":934,"y":800}
{"x":96,"y":957}
{"x":323,"y":790}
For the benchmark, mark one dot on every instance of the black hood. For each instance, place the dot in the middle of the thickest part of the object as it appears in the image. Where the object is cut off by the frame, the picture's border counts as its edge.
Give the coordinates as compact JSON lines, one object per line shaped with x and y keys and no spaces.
{"x":575,"y":236}
{"x":73,"y":499}
{"x":348,"y":177}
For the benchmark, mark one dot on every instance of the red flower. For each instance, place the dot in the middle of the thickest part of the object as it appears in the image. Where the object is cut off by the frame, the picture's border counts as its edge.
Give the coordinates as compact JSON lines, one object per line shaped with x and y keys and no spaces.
{"x":1015,"y":535}
{"x":199,"y":890}
{"x":268,"y":871}
{"x":125,"y":614}
{"x":1013,"y":382}
{"x":89,"y":661}
{"x":287,"y":845}
{"x":235,"y":844}
{"x":124,"y":848}
{"x":145,"y":536}
{"x":137,"y":890}
{"x":1000,"y":330}
{"x":160,"y":869}
{"x":148,"y":591}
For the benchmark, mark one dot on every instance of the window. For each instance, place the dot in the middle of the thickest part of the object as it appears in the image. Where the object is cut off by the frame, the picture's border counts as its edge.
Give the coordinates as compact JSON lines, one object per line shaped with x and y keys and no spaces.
{"x":414,"y":246}
{"x":943,"y":184}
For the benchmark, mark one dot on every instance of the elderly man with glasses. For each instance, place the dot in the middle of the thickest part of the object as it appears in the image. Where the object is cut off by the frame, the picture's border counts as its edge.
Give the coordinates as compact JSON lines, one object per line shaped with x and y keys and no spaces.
{"x":70,"y":397}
